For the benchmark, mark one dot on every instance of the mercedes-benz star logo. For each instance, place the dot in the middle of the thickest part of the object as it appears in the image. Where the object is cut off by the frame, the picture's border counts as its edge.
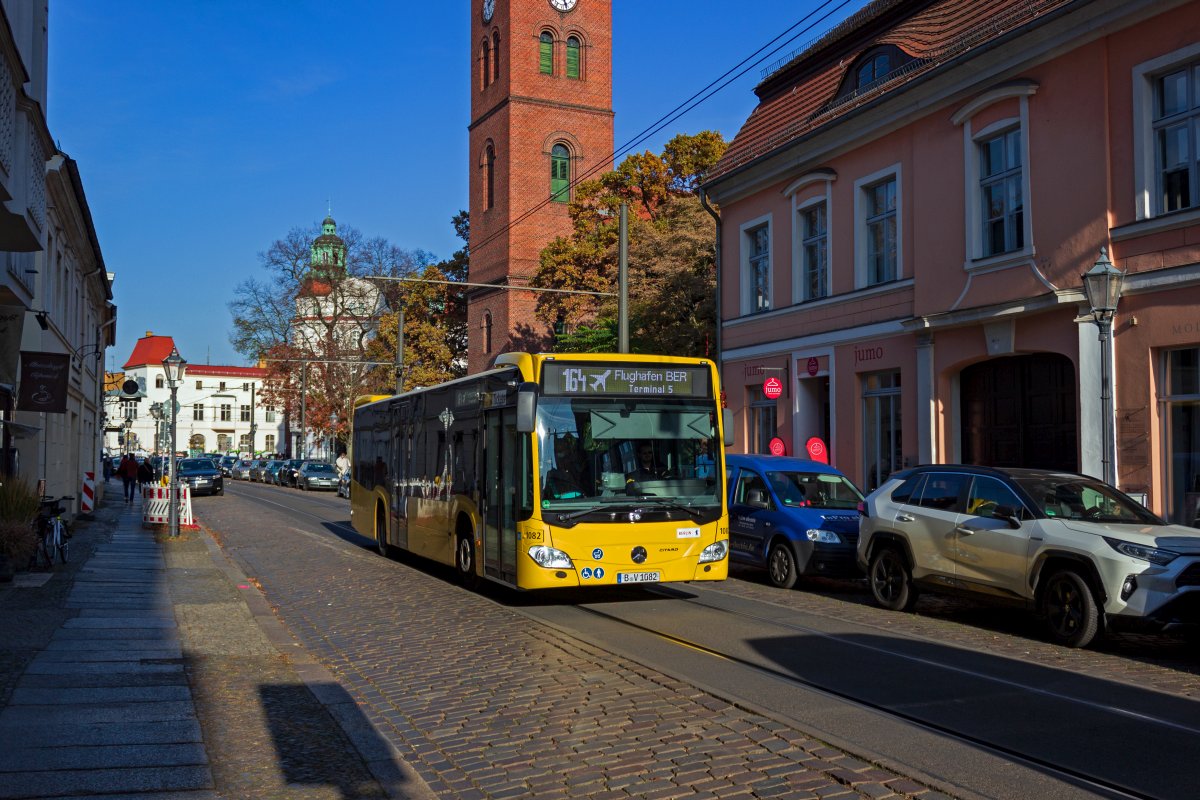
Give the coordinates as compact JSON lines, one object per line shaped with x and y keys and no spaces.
{"x":638,"y":555}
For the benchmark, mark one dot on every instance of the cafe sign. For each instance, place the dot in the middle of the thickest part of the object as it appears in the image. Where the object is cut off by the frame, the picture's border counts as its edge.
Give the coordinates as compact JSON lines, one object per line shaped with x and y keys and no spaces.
{"x":44,"y":382}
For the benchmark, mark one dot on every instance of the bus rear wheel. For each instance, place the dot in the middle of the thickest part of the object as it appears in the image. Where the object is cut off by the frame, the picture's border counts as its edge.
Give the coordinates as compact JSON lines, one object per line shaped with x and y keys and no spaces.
{"x":381,"y":535}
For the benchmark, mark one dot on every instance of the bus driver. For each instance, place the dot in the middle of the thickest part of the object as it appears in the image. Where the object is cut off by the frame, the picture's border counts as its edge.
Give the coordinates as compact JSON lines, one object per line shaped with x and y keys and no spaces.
{"x":568,"y":478}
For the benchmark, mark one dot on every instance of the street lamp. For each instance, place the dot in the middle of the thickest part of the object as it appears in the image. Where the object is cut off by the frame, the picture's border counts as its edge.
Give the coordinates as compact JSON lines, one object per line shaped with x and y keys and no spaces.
{"x":1103,"y":283}
{"x":174,"y":367}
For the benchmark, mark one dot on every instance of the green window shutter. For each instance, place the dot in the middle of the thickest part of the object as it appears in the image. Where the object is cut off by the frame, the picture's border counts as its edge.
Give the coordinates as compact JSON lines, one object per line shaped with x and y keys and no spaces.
{"x":546,"y":54}
{"x":572,"y":57}
{"x":560,"y":174}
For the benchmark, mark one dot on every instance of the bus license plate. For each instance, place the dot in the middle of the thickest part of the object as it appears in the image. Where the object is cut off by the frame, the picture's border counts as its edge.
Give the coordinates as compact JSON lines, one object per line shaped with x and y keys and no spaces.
{"x":639,"y":577}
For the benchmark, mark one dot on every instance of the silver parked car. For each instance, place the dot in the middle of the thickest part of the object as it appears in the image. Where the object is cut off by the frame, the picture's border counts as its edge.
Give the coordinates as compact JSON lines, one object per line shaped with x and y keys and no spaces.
{"x":1070,"y":547}
{"x":317,"y":475}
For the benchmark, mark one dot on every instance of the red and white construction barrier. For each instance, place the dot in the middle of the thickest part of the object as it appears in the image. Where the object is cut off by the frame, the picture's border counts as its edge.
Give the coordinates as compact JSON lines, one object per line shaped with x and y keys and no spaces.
{"x":156,"y":505}
{"x":88,"y":495}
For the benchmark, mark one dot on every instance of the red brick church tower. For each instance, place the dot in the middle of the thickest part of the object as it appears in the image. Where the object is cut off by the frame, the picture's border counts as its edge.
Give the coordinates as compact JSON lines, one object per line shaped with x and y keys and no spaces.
{"x":541,"y":117}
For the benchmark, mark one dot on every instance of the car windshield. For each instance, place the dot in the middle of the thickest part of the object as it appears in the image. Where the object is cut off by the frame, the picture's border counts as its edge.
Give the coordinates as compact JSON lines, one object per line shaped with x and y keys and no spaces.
{"x":196,"y":463}
{"x":319,"y":468}
{"x":1079,"y":498}
{"x":815,"y":489}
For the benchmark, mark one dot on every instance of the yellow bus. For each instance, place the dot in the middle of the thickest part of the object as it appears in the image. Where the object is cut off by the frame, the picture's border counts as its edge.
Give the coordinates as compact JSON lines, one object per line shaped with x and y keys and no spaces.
{"x":551,"y":471}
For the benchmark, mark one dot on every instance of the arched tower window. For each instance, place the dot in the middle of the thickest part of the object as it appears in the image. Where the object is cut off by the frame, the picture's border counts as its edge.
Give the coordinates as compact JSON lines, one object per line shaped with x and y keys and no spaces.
{"x":546,"y":53}
{"x":496,"y":55}
{"x":485,"y":59}
{"x":487,"y":331}
{"x":573,"y":54}
{"x":560,"y":173}
{"x":490,"y":177}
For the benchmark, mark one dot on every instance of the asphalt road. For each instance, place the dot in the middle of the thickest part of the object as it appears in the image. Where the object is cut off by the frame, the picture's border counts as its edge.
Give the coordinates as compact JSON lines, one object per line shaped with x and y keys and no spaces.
{"x":961,"y":696}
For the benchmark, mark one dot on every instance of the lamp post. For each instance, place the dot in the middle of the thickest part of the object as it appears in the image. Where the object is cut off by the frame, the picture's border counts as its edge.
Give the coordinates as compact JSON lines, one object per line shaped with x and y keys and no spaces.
{"x":156,"y":412}
{"x":174,"y":367}
{"x":1103,"y":283}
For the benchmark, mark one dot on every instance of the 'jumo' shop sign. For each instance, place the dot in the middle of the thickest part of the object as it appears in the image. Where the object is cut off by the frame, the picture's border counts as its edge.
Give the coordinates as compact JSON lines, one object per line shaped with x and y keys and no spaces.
{"x":44,"y":382}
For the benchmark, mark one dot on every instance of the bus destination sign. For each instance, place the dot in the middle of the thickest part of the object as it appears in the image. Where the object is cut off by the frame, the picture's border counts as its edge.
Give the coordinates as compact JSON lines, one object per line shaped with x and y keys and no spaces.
{"x":625,"y":380}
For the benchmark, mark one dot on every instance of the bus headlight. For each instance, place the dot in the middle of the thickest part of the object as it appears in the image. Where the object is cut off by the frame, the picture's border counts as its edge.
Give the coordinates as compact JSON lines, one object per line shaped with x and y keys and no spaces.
{"x":550,"y":558}
{"x":715,"y":551}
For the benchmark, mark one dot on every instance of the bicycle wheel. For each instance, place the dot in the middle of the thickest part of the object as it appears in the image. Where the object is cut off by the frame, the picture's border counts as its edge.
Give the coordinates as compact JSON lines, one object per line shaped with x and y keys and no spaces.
{"x":60,"y":533}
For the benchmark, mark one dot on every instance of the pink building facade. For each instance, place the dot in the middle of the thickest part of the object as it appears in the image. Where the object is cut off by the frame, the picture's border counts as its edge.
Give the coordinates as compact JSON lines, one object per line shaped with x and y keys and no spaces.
{"x":905,"y":219}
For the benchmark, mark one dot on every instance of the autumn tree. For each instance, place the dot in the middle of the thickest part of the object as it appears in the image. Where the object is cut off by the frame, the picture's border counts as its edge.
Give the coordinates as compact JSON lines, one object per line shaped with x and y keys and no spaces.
{"x":312,"y":318}
{"x":672,"y":273}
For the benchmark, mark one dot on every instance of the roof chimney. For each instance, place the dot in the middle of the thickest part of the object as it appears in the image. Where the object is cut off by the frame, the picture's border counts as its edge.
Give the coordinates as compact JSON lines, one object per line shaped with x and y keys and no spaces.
{"x":149,"y":334}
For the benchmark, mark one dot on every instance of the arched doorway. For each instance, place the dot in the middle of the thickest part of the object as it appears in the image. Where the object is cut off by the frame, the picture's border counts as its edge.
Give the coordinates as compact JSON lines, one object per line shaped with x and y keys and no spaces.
{"x":1020,"y":411}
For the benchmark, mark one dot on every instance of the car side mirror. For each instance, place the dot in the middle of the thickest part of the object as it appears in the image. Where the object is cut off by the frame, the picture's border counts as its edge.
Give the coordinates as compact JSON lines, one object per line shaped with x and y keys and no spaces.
{"x":1009,"y":514}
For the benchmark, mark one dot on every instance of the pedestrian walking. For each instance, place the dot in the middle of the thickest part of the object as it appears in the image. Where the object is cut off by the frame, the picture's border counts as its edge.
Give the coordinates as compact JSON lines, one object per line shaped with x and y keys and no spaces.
{"x":342,"y":464}
{"x":107,"y":467}
{"x":145,"y":473}
{"x":128,"y":470}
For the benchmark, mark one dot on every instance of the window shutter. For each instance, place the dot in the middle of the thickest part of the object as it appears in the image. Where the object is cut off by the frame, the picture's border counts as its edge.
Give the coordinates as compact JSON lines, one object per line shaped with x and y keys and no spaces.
{"x":546,"y":53}
{"x":572,"y":57}
{"x":560,"y":174}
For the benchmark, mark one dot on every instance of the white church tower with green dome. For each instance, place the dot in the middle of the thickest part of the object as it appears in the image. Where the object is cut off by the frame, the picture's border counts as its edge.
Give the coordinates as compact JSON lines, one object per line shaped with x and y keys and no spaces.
{"x":336,"y":312}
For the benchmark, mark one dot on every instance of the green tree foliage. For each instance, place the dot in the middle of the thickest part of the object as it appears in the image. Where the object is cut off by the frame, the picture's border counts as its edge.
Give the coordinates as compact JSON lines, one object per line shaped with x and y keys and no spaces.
{"x":672,"y":277}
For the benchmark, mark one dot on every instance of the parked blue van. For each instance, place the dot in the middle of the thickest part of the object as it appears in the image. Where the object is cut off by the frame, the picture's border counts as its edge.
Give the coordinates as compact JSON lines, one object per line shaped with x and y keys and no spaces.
{"x":792,"y":517}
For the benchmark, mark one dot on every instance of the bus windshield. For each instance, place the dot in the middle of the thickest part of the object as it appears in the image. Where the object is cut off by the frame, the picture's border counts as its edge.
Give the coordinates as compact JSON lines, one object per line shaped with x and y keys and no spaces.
{"x":598,"y":449}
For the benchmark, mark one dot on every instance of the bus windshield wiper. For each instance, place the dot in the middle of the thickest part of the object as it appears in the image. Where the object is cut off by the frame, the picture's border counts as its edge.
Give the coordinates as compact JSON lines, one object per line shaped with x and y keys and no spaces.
{"x":691,"y":510}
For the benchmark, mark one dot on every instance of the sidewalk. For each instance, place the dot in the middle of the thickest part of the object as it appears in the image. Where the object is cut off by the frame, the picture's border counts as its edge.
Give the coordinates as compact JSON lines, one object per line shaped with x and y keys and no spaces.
{"x":152,"y":666}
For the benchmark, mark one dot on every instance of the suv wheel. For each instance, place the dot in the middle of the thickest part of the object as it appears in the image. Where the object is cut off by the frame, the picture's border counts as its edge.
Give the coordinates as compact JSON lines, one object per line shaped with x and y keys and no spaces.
{"x":1071,"y":611}
{"x":891,"y":580}
{"x":781,"y":565}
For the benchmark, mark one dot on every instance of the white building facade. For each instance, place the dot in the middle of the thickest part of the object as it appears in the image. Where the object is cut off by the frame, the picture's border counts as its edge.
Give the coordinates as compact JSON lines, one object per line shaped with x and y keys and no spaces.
{"x":219,"y":407}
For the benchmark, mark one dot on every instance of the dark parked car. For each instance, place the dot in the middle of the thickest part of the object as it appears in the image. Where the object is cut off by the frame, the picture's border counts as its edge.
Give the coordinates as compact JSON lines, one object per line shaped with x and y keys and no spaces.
{"x":270,"y":471}
{"x":201,"y":475}
{"x":227,"y":464}
{"x":317,"y":475}
{"x":793,"y":517}
{"x":256,"y":469}
{"x":288,"y":471}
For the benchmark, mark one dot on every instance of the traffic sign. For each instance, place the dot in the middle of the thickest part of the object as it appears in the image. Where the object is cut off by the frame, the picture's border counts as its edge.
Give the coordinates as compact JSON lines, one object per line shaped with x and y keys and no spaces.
{"x":816,"y":450}
{"x":777,"y":447}
{"x":772,"y":388}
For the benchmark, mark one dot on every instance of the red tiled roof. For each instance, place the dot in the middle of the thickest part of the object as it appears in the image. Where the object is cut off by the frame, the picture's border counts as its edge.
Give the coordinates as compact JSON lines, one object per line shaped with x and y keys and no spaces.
{"x":150,"y":350}
{"x":213,"y":370}
{"x":932,"y":35}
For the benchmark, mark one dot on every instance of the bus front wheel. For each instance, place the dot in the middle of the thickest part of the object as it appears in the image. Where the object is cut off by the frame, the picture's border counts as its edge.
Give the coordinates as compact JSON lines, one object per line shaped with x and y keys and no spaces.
{"x":465,"y":559}
{"x":381,"y":543}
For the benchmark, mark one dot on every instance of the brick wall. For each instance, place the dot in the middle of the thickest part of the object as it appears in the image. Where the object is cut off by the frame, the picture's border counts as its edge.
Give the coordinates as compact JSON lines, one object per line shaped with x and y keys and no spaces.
{"x":523,"y":114}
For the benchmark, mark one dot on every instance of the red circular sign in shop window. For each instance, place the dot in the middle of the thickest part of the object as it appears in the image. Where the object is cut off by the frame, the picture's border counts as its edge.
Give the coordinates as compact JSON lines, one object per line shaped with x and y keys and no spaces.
{"x":772,"y":388}
{"x":777,"y":447}
{"x":816,"y":450}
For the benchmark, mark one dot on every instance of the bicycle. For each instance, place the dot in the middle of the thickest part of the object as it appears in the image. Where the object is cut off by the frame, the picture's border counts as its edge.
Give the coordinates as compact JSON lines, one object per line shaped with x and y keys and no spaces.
{"x":52,"y":534}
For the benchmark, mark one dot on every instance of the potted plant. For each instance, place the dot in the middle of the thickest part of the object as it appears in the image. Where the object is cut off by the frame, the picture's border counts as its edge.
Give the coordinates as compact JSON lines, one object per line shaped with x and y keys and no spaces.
{"x":19,"y":505}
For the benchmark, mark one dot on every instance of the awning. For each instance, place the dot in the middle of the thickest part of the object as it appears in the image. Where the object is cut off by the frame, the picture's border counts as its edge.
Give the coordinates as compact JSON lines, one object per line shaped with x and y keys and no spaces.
{"x":20,"y":431}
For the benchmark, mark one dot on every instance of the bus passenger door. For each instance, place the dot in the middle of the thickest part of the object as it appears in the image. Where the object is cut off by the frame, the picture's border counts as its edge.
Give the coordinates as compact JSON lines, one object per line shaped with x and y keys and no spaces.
{"x":500,"y":528}
{"x":397,"y":481}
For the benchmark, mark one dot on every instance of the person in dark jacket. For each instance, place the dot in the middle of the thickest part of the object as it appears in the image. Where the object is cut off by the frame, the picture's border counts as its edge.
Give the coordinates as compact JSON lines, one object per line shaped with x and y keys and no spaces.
{"x":145,"y":473}
{"x":128,"y":470}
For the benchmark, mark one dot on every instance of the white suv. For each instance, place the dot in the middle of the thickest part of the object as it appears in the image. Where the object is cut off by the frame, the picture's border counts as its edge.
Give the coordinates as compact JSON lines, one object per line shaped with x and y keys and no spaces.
{"x":1068,"y":546}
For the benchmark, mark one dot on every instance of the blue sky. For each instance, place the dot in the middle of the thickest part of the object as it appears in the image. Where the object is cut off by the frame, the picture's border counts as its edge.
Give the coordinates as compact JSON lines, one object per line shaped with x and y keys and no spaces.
{"x":207,"y":129}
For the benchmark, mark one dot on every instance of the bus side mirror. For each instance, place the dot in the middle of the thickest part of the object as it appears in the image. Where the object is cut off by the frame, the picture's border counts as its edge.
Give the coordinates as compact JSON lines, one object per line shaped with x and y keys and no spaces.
{"x":727,"y":424}
{"x":527,"y":395}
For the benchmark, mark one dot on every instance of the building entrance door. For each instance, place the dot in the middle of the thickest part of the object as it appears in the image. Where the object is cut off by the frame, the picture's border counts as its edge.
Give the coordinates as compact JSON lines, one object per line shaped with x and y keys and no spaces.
{"x":1020,"y":411}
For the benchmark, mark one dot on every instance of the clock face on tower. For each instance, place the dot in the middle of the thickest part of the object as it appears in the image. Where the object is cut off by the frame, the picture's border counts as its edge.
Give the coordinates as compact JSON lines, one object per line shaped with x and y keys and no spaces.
{"x":489,"y":8}
{"x":563,"y":5}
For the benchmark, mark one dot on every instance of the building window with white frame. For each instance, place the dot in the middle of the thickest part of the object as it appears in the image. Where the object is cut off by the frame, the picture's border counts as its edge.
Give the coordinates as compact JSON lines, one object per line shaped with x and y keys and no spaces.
{"x":198,"y":411}
{"x":1001,"y":195}
{"x":244,"y":413}
{"x":757,"y":244}
{"x":269,"y":415}
{"x":270,"y":443}
{"x":129,"y":409}
{"x":244,"y":443}
{"x":226,"y":412}
{"x":814,"y":248}
{"x":880,"y":221}
{"x":1177,"y":137}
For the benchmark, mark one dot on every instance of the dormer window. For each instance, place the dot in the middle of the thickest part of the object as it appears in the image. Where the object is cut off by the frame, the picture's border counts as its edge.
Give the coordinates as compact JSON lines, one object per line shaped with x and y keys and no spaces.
{"x":873,"y":70}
